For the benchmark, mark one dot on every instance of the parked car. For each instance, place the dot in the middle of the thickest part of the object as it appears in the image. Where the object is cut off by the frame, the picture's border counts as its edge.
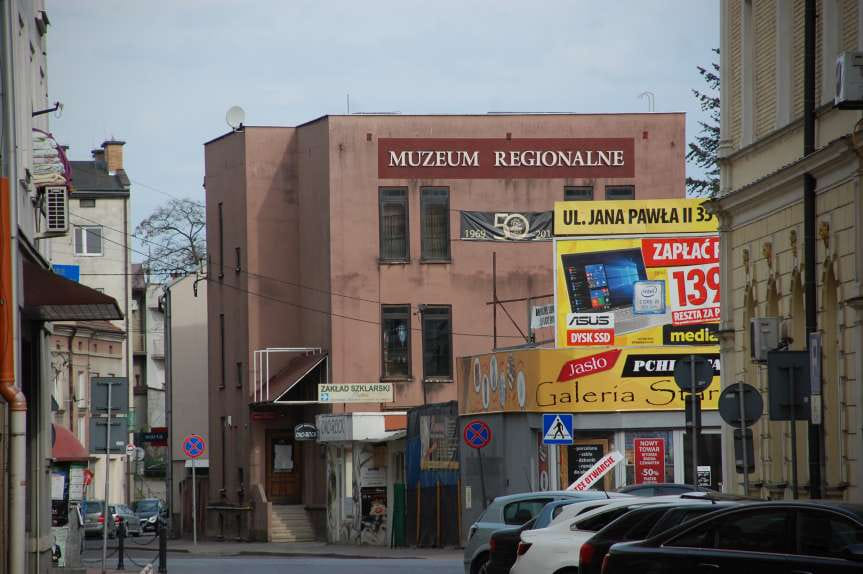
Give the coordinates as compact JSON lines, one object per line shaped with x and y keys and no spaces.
{"x":148,"y":511}
{"x":503,"y":544}
{"x":121,"y":512}
{"x":641,"y":523}
{"x":92,"y":511}
{"x":660,"y":489}
{"x":554,"y":550}
{"x":766,"y":537}
{"x":513,"y":510}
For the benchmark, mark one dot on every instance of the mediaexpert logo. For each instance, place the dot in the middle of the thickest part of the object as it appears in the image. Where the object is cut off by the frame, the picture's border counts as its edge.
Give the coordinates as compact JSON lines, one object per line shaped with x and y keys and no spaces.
{"x":690,"y":334}
{"x":588,"y":365}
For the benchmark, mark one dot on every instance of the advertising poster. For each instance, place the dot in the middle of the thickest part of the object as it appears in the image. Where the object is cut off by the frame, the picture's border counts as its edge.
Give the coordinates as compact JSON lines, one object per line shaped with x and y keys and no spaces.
{"x":439,"y":440}
{"x":579,"y":380}
{"x":637,"y":291}
{"x":649,"y":460}
{"x":583,"y":457}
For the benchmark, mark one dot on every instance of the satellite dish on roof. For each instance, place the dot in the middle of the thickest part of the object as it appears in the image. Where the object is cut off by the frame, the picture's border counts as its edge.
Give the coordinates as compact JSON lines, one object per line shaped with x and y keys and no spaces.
{"x":235,"y":117}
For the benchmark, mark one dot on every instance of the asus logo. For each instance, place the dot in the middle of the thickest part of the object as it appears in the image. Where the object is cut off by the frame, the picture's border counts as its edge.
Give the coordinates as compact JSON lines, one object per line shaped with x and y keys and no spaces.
{"x":600,"y":320}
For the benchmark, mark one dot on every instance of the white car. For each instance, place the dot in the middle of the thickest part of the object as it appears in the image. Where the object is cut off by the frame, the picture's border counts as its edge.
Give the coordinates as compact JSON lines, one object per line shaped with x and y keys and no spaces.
{"x":554,"y":550}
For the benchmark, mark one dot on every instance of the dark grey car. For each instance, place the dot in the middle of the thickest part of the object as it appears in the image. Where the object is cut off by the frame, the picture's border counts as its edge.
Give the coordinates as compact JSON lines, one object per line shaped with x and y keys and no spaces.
{"x":92,"y":511}
{"x":129,"y":518}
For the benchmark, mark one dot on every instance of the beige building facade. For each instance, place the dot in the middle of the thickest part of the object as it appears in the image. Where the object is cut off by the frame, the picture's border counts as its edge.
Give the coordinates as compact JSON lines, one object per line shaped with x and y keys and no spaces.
{"x":761,"y":211}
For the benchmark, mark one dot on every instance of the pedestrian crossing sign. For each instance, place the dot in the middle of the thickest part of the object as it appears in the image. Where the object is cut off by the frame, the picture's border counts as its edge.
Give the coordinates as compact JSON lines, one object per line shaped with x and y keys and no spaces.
{"x":557,"y":428}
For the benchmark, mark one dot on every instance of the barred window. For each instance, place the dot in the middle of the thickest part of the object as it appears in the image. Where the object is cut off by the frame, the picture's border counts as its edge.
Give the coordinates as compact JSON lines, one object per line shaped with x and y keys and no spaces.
{"x":434,"y":205}
{"x":396,"y":341}
{"x":394,"y":225}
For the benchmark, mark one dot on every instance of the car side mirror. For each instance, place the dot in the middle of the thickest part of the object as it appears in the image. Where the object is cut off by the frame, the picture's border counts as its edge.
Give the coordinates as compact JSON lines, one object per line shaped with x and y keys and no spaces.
{"x":853,"y":552}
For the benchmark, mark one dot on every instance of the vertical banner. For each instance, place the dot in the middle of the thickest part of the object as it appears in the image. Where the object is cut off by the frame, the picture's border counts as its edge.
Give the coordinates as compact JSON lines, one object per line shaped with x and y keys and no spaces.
{"x":649,"y":460}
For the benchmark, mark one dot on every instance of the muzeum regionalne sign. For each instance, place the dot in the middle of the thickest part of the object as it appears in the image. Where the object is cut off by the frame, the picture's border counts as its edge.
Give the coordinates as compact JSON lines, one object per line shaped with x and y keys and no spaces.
{"x":410,"y":158}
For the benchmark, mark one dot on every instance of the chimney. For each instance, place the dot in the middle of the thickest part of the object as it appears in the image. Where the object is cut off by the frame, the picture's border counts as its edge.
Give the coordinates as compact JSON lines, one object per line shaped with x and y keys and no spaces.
{"x":113,"y":150}
{"x":99,"y":158}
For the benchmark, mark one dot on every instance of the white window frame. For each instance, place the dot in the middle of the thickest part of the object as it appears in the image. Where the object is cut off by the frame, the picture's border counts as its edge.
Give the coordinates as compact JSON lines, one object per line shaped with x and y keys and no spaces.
{"x":82,"y":230}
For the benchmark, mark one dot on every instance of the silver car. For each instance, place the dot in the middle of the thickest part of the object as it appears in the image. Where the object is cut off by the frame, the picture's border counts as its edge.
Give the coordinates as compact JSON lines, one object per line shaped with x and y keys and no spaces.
{"x":513,"y":510}
{"x":121,"y":512}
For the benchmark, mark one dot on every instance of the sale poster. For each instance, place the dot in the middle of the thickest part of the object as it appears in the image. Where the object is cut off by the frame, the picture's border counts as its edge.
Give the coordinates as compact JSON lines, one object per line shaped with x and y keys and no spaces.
{"x":649,"y":460}
{"x":619,"y":289}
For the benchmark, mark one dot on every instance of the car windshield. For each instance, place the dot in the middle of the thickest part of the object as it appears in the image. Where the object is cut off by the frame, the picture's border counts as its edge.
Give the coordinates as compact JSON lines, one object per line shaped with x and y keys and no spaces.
{"x":147,"y":506}
{"x":93,"y":506}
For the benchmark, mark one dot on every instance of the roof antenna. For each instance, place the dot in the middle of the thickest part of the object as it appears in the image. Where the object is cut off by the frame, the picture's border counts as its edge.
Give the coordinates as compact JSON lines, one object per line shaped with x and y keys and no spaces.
{"x":348,"y":96}
{"x":650,"y":97}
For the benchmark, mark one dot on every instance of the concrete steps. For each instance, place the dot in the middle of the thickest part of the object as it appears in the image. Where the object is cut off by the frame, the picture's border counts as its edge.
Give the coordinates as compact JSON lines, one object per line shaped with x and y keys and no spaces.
{"x":290,"y":523}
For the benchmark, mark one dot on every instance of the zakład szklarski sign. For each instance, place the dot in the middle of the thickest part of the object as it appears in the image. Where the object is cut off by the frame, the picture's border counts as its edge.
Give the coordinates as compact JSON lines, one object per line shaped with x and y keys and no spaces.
{"x":578,"y":380}
{"x":454,"y":158}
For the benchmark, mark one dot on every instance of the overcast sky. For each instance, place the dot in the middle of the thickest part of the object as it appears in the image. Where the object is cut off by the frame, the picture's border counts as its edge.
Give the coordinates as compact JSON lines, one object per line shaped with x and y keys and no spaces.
{"x":161,"y":74}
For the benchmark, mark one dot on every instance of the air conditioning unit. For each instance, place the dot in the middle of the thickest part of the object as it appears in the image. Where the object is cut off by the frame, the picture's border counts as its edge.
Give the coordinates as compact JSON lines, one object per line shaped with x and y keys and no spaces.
{"x":56,"y":211}
{"x":764,"y":337}
{"x":849,"y":81}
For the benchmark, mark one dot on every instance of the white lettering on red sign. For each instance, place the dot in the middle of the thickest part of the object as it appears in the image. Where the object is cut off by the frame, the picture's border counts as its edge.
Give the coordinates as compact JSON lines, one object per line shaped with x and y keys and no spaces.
{"x":680,"y":251}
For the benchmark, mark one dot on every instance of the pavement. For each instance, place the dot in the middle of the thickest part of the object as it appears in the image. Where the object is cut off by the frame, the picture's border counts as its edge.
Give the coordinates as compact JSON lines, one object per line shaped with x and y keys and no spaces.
{"x":310,"y":549}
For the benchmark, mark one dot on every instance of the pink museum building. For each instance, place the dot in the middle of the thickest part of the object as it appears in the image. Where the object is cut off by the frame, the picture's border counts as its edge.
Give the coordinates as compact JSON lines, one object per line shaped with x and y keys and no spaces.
{"x":357,"y":252}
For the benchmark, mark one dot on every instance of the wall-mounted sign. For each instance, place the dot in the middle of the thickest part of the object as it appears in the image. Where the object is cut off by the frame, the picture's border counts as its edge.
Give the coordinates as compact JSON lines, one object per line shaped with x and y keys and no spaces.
{"x":634,"y":217}
{"x":356,"y":393}
{"x":542,"y":316}
{"x":579,"y":380}
{"x":334,"y":428}
{"x":71,"y":272}
{"x":506,"y":226}
{"x":492,"y":158}
{"x":305,"y":431}
{"x":154,"y":437}
{"x":629,"y":291}
{"x":649,"y":460}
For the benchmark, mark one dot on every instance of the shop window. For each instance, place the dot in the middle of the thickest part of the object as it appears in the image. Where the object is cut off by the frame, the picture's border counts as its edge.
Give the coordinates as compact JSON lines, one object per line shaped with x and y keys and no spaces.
{"x":434,"y":206}
{"x":578,"y":193}
{"x":88,"y":240}
{"x":437,"y":342}
{"x":396,"y":342}
{"x":629,"y":442}
{"x":619,"y":192}
{"x":394,"y":236}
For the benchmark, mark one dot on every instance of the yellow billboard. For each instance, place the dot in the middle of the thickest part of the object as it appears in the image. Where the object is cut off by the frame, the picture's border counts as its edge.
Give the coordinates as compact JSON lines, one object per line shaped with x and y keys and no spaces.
{"x":643,"y":291}
{"x":637,"y":217}
{"x":578,"y":380}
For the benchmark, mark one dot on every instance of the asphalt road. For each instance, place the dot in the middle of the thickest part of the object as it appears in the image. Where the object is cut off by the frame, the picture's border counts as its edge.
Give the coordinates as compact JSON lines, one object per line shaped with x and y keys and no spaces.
{"x":286,"y":565}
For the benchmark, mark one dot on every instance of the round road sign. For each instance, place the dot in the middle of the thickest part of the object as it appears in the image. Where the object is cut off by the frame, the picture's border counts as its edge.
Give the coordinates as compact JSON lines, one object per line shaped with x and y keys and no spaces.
{"x":477,"y":434}
{"x":130,"y":449}
{"x":683,"y":373}
{"x":729,"y":404}
{"x":194,"y":445}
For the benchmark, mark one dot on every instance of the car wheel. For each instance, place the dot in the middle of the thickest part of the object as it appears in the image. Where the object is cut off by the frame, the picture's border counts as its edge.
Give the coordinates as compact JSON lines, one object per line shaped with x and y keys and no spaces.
{"x":480,"y":564}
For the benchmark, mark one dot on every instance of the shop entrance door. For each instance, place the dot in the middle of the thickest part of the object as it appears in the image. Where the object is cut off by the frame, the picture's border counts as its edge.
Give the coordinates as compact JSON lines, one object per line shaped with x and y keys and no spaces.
{"x":284,"y":472}
{"x":709,"y":455}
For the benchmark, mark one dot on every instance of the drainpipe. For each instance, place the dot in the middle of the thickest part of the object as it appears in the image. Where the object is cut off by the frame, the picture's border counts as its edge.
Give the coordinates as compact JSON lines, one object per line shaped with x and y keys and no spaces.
{"x":72,"y":402}
{"x":809,"y":215}
{"x":11,"y":394}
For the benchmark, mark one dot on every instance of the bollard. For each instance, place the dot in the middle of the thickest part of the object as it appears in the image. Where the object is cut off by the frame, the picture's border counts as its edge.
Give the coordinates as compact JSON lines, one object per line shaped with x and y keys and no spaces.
{"x":163,"y":547}
{"x":121,"y":537}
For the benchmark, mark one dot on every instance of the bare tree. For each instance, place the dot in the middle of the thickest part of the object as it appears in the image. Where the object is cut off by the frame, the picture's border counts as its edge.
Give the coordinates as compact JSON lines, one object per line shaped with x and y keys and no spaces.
{"x":175,"y":238}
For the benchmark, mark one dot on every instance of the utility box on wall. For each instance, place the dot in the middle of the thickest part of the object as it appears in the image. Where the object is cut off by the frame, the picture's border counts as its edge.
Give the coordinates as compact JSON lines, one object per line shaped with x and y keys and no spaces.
{"x":763,"y":337}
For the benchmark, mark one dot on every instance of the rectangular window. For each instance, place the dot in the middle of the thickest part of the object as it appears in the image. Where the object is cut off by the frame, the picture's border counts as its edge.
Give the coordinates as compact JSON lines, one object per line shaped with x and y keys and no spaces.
{"x":82,"y":387}
{"x":239,"y":374}
{"x":221,"y":249}
{"x":88,"y":240}
{"x":619,"y":192}
{"x":434,"y":218}
{"x":394,"y":225}
{"x":578,"y":193}
{"x":222,"y":348}
{"x":87,"y":202}
{"x":396,"y":341}
{"x":437,"y":342}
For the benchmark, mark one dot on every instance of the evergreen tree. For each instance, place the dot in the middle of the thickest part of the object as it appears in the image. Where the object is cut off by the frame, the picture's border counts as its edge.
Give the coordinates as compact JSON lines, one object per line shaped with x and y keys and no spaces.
{"x":702,"y":151}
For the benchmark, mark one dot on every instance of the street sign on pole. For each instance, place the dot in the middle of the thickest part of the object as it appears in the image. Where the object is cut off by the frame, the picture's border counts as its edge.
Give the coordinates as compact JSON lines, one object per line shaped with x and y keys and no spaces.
{"x":692,"y":368}
{"x":194,"y":446}
{"x":477,"y":434}
{"x":557,"y":428}
{"x":131,"y":449}
{"x":741,"y":406}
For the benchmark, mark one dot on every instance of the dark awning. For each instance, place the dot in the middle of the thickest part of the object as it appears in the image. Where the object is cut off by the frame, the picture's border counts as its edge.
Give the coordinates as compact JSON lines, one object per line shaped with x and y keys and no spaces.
{"x":286,"y":379}
{"x":50,"y":297}
{"x":66,"y":447}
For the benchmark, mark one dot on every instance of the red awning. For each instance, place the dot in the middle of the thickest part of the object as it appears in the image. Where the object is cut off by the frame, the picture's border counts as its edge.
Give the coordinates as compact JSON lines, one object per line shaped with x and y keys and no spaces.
{"x":49,"y":297}
{"x":66,"y":446}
